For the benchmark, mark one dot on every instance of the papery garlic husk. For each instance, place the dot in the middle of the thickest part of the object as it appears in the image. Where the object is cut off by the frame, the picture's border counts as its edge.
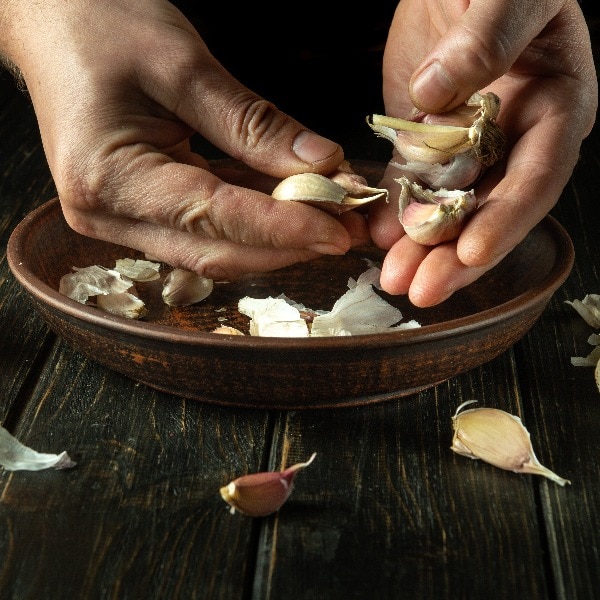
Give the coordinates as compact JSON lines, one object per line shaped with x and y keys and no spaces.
{"x":124,"y":304}
{"x":498,"y":438}
{"x":138,"y":269}
{"x":343,"y":190}
{"x":86,"y":282}
{"x":430,"y":143}
{"x":227,"y":330}
{"x":432,"y":217}
{"x":183,"y":288}
{"x":261,"y":494}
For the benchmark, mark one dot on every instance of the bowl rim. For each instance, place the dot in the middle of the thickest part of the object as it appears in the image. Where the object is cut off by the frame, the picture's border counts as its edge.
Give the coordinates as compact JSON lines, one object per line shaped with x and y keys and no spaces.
{"x":44,"y":293}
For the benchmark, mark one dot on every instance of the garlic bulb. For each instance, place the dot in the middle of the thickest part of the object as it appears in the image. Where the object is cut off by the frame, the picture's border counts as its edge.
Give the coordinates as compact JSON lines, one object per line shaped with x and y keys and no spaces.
{"x":342,"y":191}
{"x":260,"y":494}
{"x":498,"y":438}
{"x":449,"y":150}
{"x":182,"y":288}
{"x":432,"y":217}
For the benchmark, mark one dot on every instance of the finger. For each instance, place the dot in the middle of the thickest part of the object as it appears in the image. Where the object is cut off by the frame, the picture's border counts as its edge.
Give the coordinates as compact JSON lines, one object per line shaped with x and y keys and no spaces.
{"x":148,"y":186}
{"x":247,"y":127}
{"x":220,"y":260}
{"x":537,"y":169}
{"x":477,"y":49}
{"x":401,"y":264}
{"x":384,"y":222}
{"x":428,"y":275}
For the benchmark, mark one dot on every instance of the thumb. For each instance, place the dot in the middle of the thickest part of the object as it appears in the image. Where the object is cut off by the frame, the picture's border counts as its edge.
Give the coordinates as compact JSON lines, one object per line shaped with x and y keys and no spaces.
{"x":477,"y":49}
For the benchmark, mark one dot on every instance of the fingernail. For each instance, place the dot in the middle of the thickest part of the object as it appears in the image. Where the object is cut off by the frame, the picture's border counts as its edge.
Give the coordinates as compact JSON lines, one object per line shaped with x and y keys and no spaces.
{"x":432,"y":88}
{"x":325,"y":248}
{"x":313,"y":148}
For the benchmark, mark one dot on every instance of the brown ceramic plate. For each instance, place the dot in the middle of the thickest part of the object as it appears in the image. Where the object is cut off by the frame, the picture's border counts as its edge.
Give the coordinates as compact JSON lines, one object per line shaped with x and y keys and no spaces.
{"x":173,"y":349}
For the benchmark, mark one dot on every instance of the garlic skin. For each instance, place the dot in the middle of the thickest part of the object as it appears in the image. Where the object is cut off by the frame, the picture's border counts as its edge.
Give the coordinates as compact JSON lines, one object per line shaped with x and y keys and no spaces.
{"x":261,"y":494}
{"x":430,"y":144}
{"x":432,"y":217}
{"x":343,"y":190}
{"x":498,"y":438}
{"x":124,"y":304}
{"x":182,"y":288}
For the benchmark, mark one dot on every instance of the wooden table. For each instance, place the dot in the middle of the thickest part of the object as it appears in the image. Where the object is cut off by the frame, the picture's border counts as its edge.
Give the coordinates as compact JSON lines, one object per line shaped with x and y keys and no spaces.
{"x":386,"y":510}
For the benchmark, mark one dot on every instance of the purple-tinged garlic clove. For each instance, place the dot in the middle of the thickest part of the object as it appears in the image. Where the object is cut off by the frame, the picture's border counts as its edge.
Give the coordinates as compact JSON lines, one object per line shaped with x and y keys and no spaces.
{"x":427,"y":140}
{"x":261,"y":494}
{"x":432,"y":217}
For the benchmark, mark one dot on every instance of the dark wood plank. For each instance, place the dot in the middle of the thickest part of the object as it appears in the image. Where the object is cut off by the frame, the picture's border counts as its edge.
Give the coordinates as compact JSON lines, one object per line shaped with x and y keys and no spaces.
{"x":141,"y":515}
{"x":388,"y":509}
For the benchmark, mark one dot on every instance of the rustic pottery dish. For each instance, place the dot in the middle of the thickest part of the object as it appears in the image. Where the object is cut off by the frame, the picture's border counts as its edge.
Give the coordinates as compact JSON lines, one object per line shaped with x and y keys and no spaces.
{"x":173,"y":349}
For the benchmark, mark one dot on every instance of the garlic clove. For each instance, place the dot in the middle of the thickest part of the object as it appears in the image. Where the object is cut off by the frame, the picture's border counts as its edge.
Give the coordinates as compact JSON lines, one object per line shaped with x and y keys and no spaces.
{"x":182,"y":288}
{"x":460,"y":172}
{"x":261,"y":494}
{"x":343,"y":191}
{"x":123,"y":304}
{"x":498,"y":438}
{"x":432,"y":217}
{"x":436,"y":139}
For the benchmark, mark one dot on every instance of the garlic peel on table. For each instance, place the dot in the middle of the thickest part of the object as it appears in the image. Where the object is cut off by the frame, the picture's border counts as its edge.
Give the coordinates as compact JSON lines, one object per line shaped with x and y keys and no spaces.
{"x":498,"y":438}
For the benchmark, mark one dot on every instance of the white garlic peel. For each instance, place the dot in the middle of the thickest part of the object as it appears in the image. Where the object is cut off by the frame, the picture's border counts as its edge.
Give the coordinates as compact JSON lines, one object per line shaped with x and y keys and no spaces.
{"x":589,"y":310}
{"x":358,"y":311}
{"x":498,"y":438}
{"x":15,"y":456}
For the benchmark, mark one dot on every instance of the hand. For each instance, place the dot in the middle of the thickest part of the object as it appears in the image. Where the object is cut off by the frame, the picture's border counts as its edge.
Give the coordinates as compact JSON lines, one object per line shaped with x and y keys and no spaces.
{"x":118,"y":89}
{"x":536,"y":56}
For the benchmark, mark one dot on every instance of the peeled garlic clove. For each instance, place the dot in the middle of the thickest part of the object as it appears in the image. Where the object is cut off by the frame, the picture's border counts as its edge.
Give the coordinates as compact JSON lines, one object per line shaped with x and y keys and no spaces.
{"x":182,"y":288}
{"x":497,"y":438}
{"x":432,"y":217}
{"x":122,"y":304}
{"x":260,"y":494}
{"x":343,"y":191}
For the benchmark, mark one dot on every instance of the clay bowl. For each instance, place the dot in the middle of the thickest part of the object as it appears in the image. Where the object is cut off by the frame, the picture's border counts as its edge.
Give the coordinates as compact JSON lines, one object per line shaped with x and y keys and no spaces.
{"x":173,"y":349}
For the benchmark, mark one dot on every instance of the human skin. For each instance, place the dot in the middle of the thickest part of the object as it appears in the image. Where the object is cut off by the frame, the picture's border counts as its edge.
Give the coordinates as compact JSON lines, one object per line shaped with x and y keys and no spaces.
{"x":536,"y":56}
{"x":118,"y":89}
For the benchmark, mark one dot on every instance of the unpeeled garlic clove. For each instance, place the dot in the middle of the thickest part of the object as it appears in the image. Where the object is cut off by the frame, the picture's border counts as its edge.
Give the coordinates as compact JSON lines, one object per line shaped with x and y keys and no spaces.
{"x":182,"y":288}
{"x":432,"y":217}
{"x":342,"y":191}
{"x":261,"y":494}
{"x":498,"y":438}
{"x":429,"y":143}
{"x":123,"y":304}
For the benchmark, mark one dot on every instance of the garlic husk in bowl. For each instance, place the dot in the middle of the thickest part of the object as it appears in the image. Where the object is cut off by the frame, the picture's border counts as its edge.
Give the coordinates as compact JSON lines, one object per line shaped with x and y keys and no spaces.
{"x":431,"y":217}
{"x":343,"y":190}
{"x":431,"y":145}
